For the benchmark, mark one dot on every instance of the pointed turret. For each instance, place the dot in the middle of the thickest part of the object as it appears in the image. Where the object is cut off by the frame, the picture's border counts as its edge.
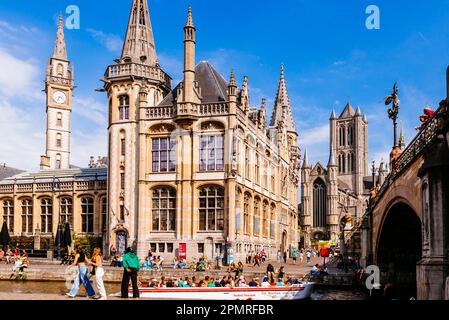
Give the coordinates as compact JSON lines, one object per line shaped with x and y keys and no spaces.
{"x":332,"y":162}
{"x":60,"y":51}
{"x":305,"y":163}
{"x":402,"y":139}
{"x":333,"y":115}
{"x":139,"y":41}
{"x":232,"y":86}
{"x":283,"y":102}
{"x":358,"y":112}
{"x":365,"y":119}
{"x":189,"y":91}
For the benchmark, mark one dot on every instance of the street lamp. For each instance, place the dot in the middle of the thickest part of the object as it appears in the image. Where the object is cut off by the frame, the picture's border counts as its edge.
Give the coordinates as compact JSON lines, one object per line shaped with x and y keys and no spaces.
{"x":59,"y":231}
{"x":393,"y":99}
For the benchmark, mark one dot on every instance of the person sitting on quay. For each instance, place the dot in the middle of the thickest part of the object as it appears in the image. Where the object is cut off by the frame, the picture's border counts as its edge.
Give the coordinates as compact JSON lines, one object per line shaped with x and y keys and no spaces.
{"x":265,"y":283}
{"x":254,"y":282}
{"x":182,"y":264}
{"x":2,"y":255}
{"x":315,"y":271}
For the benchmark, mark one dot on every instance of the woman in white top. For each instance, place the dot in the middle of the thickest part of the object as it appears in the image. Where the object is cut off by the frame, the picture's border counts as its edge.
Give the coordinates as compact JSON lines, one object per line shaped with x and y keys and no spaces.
{"x":97,"y":263}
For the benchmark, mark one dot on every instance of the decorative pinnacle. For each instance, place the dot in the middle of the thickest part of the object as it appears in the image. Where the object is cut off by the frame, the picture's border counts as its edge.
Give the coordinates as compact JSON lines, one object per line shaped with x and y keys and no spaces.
{"x":232,"y":79}
{"x":189,"y":22}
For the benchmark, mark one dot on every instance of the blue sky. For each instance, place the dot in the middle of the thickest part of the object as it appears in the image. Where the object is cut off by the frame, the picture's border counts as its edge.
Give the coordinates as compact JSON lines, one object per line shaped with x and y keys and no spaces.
{"x":329,"y":55}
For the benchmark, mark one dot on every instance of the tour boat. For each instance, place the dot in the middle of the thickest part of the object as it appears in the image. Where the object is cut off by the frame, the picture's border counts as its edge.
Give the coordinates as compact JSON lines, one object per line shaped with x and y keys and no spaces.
{"x":294,"y":292}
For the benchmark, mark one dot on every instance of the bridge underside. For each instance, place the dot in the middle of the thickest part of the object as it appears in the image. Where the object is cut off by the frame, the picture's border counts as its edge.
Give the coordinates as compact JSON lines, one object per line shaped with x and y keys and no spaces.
{"x":399,"y":249}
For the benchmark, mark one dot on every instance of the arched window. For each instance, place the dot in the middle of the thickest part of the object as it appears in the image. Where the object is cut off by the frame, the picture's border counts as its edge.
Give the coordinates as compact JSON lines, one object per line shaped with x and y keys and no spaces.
{"x":272,"y":221}
{"x":60,"y":70}
{"x":46,"y":215}
{"x":266,"y":230}
{"x":87,"y":215}
{"x":8,"y":214}
{"x":212,"y":152}
{"x":123,"y":108}
{"x":211,"y":208}
{"x":247,"y":163}
{"x":58,"y":140}
{"x":319,"y":204}
{"x":256,"y":216}
{"x":104,"y":214}
{"x":257,"y":168}
{"x":342,"y":136}
{"x":164,"y":209}
{"x":246,"y":224}
{"x":58,"y":161}
{"x":27,"y":216}
{"x":67,"y":211}
{"x":350,"y":135}
{"x":349,"y":155}
{"x":59,"y":119}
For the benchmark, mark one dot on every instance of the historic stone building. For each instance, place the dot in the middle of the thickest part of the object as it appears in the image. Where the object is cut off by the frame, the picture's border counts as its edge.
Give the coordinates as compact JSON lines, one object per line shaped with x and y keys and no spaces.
{"x":35,"y":204}
{"x":333,"y":197}
{"x":196,"y":164}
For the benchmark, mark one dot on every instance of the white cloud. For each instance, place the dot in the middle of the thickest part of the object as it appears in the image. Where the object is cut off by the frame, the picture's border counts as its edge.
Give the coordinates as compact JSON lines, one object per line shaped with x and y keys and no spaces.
{"x":91,"y":109}
{"x":22,"y":138}
{"x":18,"y":77}
{"x":85,"y":145}
{"x":111,"y":42}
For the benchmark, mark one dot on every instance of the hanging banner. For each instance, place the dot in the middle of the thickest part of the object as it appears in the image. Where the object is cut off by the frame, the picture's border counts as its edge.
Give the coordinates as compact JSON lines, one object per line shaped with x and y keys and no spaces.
{"x":183,"y":251}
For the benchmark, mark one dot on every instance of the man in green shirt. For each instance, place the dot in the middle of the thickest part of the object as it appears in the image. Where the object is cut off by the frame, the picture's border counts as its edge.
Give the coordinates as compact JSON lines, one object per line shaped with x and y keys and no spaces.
{"x":131,"y":265}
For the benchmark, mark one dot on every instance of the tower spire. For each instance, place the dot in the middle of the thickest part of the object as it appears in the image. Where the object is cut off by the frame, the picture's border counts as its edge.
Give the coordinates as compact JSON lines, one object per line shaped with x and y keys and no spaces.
{"x":189,"y":93}
{"x":283,"y":101}
{"x":402,"y":138}
{"x":139,"y":42}
{"x":60,"y":51}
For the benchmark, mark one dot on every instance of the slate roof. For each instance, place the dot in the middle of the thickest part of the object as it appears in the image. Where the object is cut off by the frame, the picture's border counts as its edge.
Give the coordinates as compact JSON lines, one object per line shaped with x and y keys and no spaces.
{"x":79,"y":174}
{"x":348,"y":111}
{"x":213,"y":86}
{"x":6,"y":172}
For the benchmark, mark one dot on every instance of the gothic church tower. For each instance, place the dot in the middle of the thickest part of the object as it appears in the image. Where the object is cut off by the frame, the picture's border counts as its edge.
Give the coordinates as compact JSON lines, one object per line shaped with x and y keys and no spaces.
{"x":349,"y":144}
{"x":58,"y":89}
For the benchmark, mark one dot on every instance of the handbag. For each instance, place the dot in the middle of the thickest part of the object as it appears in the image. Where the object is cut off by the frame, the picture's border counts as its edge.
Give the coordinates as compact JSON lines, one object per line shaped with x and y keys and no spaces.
{"x":92,"y":272}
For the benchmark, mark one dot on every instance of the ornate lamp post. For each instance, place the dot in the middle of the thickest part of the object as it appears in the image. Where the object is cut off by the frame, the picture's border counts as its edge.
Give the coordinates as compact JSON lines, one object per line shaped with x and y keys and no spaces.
{"x":393,"y":111}
{"x":393,"y":99}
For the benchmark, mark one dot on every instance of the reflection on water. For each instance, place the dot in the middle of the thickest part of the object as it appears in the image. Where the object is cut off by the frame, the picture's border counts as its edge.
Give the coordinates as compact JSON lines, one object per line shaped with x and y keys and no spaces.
{"x":47,"y":287}
{"x":44,"y":287}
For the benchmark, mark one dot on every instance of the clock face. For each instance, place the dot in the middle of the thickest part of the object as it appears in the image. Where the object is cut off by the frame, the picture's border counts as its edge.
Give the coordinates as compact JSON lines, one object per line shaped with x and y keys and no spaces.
{"x":59,"y":97}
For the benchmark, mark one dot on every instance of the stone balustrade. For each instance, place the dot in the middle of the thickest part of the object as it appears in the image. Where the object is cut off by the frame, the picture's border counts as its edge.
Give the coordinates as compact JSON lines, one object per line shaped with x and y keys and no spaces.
{"x":138,"y":70}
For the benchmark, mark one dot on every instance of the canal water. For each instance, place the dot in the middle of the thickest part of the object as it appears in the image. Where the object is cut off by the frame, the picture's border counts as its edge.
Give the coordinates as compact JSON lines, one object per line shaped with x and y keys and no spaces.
{"x":46,"y":287}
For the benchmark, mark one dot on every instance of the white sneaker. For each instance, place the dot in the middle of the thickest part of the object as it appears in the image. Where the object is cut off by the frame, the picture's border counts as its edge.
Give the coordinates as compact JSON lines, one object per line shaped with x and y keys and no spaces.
{"x":69,"y":295}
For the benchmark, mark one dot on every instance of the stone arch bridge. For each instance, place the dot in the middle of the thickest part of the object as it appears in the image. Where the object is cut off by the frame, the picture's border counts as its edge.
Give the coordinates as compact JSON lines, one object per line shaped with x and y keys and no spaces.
{"x":405,"y":230}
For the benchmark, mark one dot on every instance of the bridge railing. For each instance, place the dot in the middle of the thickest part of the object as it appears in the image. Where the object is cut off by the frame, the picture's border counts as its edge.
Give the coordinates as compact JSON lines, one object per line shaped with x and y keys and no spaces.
{"x":423,"y":139}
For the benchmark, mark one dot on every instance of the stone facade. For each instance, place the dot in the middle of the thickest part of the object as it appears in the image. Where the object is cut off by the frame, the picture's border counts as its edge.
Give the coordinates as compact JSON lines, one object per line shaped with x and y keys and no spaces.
{"x":196,"y":164}
{"x":333,"y":197}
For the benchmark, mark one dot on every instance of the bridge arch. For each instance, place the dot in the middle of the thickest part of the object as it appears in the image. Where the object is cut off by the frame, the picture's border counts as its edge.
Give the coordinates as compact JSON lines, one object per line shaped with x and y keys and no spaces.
{"x":399,"y":246}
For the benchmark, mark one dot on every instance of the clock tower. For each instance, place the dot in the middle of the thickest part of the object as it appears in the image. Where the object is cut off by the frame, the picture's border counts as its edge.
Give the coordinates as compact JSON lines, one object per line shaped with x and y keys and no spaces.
{"x":58,"y":89}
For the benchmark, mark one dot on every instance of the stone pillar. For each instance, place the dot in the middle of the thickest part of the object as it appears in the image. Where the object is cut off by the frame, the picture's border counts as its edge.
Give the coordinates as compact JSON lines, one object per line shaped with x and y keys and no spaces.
{"x":433,"y":269}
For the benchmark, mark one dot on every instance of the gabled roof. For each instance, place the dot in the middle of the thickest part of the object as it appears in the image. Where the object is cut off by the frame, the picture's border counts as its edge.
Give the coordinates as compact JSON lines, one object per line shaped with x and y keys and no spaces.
{"x":348,"y":112}
{"x":213,"y":85}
